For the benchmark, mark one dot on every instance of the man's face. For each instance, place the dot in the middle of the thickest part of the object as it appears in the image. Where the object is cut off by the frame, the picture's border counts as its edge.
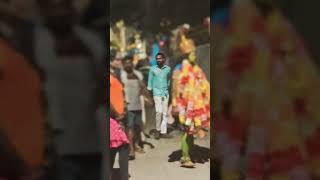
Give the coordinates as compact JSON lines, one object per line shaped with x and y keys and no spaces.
{"x":160,"y":60}
{"x":128,"y":65}
{"x":192,"y":57}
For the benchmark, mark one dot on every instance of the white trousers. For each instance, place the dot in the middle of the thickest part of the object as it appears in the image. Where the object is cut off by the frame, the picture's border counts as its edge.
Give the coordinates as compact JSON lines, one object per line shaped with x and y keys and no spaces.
{"x":161,"y":106}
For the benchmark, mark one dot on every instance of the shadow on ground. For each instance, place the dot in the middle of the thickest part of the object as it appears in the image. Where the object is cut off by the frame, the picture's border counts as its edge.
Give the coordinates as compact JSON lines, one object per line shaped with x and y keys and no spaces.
{"x":198,"y":155}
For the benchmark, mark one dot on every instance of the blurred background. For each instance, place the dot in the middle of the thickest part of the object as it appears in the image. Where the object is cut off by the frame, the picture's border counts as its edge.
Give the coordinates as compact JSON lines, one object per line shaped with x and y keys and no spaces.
{"x":264,"y":67}
{"x":140,"y":29}
{"x":162,"y":19}
{"x":38,"y":108}
{"x":52,"y":65}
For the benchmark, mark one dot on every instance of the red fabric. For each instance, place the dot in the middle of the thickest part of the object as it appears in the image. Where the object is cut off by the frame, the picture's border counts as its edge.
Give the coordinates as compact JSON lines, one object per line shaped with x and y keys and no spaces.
{"x":258,"y":25}
{"x":256,"y":165}
{"x":240,"y":59}
{"x":234,"y":128}
{"x":313,"y":144}
{"x":185,"y":80}
{"x":284,"y":160}
{"x":300,"y":106}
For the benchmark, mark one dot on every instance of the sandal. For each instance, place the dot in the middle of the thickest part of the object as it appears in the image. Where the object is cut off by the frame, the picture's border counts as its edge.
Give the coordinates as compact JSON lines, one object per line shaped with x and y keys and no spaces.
{"x":188,"y":164}
{"x":184,"y":159}
{"x":132,"y":157}
{"x":141,"y":151}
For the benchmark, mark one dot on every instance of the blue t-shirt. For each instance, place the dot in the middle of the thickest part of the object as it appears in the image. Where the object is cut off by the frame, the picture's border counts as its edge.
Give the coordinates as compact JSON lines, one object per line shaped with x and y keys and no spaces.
{"x":159,"y":80}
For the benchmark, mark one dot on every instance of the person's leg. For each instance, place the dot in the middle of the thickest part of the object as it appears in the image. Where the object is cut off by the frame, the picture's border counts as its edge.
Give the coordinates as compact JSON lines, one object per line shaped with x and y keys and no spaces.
{"x":158,"y":108}
{"x":123,"y":162}
{"x":138,"y":131}
{"x":113,"y":153}
{"x":143,"y":118}
{"x":135,"y":131}
{"x":164,"y":121}
{"x":130,"y":125}
{"x":143,"y":111}
{"x":190,"y":142}
{"x":185,"y":146}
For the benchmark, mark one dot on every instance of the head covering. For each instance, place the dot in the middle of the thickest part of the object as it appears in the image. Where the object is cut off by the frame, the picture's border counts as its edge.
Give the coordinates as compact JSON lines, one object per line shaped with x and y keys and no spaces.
{"x":186,"y":26}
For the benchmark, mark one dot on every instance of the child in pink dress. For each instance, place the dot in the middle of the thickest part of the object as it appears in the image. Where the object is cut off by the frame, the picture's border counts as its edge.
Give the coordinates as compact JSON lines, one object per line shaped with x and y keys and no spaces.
{"x":118,"y":137}
{"x":119,"y":144}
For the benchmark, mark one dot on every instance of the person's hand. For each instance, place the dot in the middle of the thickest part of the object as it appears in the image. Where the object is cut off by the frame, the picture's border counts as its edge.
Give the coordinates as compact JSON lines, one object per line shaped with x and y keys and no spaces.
{"x":120,"y":117}
{"x":114,"y":114}
{"x":175,"y":111}
{"x":125,"y":105}
{"x":200,"y":133}
{"x":144,"y":91}
{"x":148,"y":101}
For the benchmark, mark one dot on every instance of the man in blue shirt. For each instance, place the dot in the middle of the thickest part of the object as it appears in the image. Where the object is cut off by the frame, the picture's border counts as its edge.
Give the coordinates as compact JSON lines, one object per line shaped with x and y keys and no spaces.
{"x":158,"y":83}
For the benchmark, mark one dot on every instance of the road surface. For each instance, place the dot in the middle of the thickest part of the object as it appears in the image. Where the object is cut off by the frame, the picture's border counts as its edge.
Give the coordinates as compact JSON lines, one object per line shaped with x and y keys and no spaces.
{"x":154,"y":165}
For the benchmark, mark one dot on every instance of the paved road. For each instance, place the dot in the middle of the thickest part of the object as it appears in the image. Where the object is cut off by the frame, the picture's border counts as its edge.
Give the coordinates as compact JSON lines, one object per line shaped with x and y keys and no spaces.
{"x":154,"y":165}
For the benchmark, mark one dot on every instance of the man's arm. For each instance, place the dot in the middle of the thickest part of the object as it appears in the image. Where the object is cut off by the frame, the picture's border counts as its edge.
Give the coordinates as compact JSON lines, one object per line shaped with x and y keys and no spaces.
{"x":175,"y":91}
{"x":150,"y":80}
{"x":144,"y":90}
{"x":114,"y":114}
{"x":169,"y":77}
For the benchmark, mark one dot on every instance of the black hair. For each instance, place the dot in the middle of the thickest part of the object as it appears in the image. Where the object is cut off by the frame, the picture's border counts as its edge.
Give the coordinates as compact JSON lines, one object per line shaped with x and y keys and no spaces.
{"x":129,"y":57}
{"x":113,"y":54}
{"x":161,"y":54}
{"x":185,"y":56}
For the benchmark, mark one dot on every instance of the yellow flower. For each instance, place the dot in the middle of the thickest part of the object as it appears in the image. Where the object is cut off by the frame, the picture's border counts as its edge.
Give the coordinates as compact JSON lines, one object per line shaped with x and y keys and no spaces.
{"x":197,"y":121}
{"x":182,"y":119}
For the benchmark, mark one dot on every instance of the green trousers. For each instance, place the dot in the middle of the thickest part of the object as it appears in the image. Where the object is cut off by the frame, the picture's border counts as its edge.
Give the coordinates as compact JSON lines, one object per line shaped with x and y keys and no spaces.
{"x":186,"y":144}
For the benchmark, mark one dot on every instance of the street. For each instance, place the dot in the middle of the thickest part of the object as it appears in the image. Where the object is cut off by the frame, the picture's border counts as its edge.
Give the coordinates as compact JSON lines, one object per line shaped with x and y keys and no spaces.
{"x":154,"y":165}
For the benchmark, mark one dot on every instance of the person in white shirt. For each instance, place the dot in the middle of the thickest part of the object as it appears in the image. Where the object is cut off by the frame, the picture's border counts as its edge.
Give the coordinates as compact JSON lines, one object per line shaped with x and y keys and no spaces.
{"x":133,"y":87}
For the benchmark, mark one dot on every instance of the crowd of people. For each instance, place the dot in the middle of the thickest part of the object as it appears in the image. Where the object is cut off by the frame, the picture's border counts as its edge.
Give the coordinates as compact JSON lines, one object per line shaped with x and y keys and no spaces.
{"x":177,"y":89}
